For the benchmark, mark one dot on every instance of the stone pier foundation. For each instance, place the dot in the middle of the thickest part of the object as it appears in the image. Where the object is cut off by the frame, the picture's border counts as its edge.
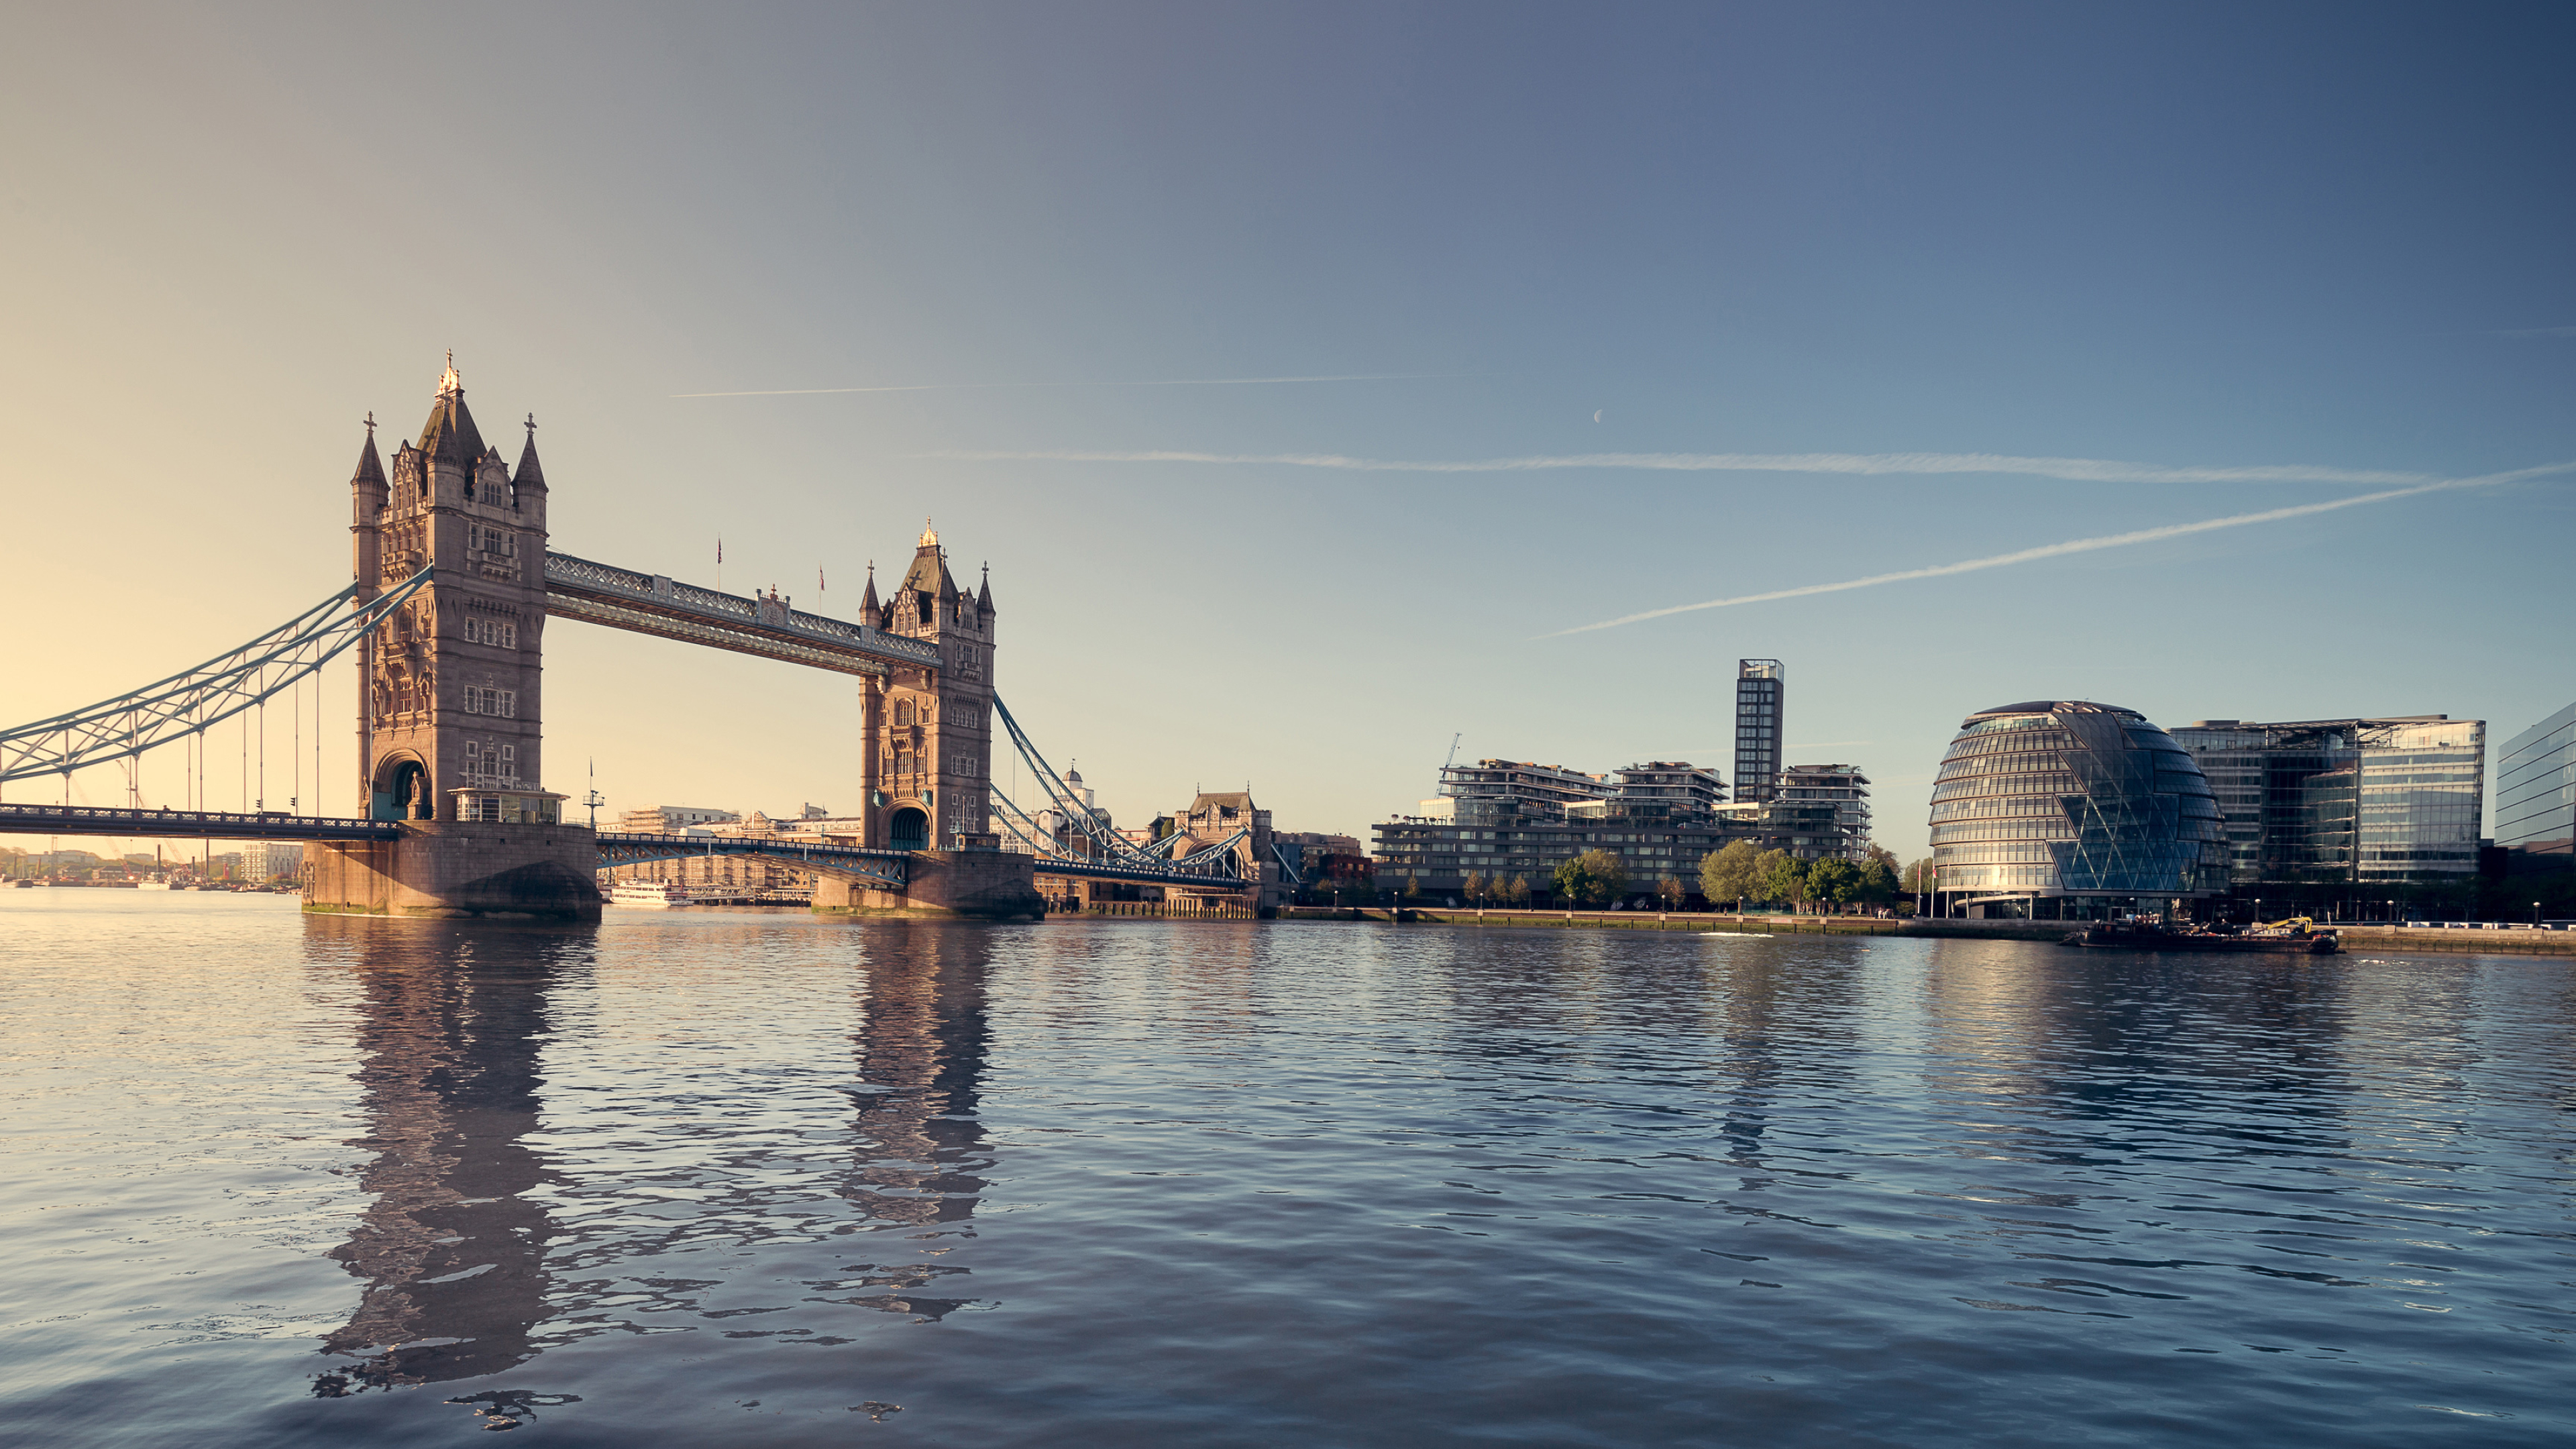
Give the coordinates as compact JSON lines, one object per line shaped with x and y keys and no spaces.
{"x":983,"y":884}
{"x":455,"y":869}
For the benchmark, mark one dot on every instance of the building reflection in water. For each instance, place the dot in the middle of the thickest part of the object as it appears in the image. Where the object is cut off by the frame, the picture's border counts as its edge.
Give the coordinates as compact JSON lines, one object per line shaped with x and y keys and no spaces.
{"x":921,"y":1047}
{"x":1783,"y":1012}
{"x":451,"y":1020}
{"x":2076,"y":1058}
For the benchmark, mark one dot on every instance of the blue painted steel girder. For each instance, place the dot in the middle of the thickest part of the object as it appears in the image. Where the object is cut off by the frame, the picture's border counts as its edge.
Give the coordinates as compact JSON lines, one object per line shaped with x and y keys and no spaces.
{"x":1087,"y":870}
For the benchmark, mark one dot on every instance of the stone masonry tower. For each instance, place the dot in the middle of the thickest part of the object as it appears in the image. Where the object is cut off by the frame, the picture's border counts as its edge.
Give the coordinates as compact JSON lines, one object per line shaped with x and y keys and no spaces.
{"x":929,"y":733}
{"x":449,"y":719}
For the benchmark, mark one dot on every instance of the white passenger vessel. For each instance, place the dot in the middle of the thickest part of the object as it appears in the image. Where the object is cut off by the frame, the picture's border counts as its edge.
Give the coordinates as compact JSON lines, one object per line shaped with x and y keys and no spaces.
{"x":650,"y":894}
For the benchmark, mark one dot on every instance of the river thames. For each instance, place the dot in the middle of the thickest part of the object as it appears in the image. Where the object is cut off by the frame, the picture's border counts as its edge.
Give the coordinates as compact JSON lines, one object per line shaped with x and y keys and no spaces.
{"x":752,"y":1179}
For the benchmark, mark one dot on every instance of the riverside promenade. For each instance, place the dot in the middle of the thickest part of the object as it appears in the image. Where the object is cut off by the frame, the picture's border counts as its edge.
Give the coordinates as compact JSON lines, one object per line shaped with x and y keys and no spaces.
{"x":2461,"y":940}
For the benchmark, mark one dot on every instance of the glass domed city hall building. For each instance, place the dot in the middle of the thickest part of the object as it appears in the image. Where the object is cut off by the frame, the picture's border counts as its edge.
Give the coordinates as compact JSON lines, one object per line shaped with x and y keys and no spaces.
{"x":2068,"y":809}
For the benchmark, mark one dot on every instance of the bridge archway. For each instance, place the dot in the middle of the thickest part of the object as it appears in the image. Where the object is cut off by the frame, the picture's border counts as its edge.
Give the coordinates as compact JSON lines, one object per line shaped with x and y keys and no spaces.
{"x":908,"y":829}
{"x":402,"y":790}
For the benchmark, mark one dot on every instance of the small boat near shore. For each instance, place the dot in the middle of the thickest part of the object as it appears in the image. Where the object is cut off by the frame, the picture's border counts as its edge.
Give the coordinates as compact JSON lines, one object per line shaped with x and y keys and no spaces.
{"x":649,"y":894}
{"x":2150,"y":936}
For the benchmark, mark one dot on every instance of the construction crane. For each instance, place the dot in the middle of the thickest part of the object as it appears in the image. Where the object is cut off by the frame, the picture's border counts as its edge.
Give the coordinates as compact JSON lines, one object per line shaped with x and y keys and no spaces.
{"x":1453,"y":751}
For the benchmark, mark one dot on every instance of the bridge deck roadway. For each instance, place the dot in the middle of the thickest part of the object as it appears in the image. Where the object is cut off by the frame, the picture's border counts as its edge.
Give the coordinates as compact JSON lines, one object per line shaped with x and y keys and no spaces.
{"x":861,"y":862}
{"x":212,"y":824}
{"x":1094,"y":870}
{"x":598,"y":593}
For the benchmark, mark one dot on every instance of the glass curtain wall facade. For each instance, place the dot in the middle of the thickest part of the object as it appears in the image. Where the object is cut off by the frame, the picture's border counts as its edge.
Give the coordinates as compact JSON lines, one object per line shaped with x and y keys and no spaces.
{"x":1758,"y":686}
{"x":2345,"y":801}
{"x":2073,"y":809}
{"x":2423,"y":799}
{"x":2536,"y":789}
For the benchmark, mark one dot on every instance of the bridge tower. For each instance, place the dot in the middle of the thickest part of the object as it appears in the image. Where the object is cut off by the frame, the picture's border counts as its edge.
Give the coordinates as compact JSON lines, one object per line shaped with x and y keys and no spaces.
{"x":929,"y":732}
{"x":449,"y":717}
{"x":449,"y":721}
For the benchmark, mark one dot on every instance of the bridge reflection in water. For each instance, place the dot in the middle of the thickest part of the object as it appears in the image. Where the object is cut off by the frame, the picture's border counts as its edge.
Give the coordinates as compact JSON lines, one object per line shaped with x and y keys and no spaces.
{"x":921,"y":1051}
{"x":452,"y":1251}
{"x":465,"y":1266}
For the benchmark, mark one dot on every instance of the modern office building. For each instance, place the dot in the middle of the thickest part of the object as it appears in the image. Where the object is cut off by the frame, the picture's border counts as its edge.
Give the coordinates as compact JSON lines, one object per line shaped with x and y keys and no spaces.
{"x":2345,"y":801}
{"x":2067,"y":809}
{"x":2536,"y":792}
{"x":1758,"y":684}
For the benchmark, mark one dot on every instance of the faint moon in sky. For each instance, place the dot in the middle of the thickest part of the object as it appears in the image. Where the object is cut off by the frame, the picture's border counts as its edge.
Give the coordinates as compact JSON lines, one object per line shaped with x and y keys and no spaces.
{"x":1596,"y":414}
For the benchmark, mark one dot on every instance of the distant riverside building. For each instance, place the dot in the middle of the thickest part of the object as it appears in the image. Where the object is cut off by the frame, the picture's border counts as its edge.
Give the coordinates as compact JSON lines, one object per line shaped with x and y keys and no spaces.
{"x":2345,"y":801}
{"x":1817,"y":812}
{"x":1510,"y":820}
{"x":740,"y":877}
{"x":1758,"y":686}
{"x":2536,"y":791}
{"x":2067,"y":808}
{"x":1324,"y":861}
{"x":267,"y":859}
{"x":1505,"y":792}
{"x":672,"y":819}
{"x":1661,"y":790}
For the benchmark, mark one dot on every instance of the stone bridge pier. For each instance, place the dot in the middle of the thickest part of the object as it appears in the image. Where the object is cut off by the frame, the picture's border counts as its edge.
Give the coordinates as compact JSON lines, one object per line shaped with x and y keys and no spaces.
{"x":455,"y":869}
{"x":969,"y":884}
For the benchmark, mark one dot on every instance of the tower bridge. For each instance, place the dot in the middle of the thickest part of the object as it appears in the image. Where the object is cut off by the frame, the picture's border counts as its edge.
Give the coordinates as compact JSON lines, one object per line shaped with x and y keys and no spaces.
{"x":455,"y":582}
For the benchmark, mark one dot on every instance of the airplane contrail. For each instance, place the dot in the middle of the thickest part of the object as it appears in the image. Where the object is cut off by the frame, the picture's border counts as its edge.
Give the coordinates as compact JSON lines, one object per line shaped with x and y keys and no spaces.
{"x":2079,"y":545}
{"x":2079,"y":470}
{"x":1146,"y":382}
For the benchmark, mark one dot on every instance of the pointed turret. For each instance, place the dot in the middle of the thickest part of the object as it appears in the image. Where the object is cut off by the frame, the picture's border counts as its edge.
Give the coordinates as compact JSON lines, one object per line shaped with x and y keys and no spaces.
{"x":984,"y":601}
{"x":528,"y":474}
{"x":870,"y":612}
{"x":371,"y":468}
{"x":367,"y":497}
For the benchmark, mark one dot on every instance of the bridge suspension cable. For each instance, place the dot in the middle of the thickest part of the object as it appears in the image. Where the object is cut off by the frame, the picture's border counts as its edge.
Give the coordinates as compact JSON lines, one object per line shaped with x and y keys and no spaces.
{"x":1113,"y":846}
{"x":185,"y":705}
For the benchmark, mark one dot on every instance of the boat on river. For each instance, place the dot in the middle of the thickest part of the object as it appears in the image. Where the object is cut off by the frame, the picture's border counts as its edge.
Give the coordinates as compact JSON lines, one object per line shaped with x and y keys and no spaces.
{"x":2153,"y":936}
{"x":650,"y":894}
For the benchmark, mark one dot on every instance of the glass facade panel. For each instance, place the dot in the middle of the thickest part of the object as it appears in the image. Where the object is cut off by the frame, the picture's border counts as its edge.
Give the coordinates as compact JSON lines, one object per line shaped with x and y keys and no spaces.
{"x":2536,"y":787}
{"x":2060,"y":798}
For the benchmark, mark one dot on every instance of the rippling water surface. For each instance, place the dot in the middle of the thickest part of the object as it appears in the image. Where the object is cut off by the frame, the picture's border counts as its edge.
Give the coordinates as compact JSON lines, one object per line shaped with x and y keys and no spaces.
{"x":747,"y":1179}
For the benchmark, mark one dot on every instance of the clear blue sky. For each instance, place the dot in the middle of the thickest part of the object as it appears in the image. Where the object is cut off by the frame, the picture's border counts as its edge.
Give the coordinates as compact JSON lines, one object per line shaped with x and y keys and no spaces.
{"x":2332,"y":238}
